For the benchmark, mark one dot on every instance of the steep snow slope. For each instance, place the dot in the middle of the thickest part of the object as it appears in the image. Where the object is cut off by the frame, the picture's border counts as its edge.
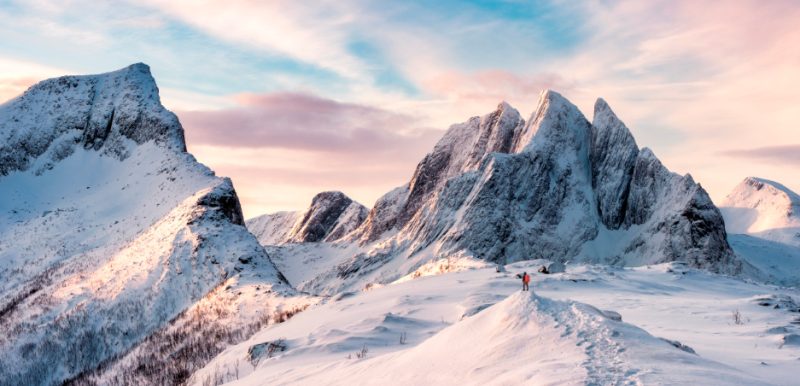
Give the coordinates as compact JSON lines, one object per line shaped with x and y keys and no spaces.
{"x":501,"y":189}
{"x":273,"y":228}
{"x":464,"y":328}
{"x":765,"y":209}
{"x":109,"y":229}
{"x":774,"y":262}
{"x":330,"y":216}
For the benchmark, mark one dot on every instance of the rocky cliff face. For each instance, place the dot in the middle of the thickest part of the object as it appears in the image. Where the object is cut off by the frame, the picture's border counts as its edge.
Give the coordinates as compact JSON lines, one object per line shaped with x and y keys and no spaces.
{"x":110,"y":231}
{"x":557,"y":186}
{"x":331,"y":216}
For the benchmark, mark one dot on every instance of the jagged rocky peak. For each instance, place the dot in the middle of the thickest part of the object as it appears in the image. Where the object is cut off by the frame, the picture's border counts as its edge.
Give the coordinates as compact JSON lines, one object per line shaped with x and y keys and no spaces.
{"x":330,"y":216}
{"x":613,"y":157}
{"x":107,"y":112}
{"x":554,"y":122}
{"x":461,"y":149}
{"x":557,"y":187}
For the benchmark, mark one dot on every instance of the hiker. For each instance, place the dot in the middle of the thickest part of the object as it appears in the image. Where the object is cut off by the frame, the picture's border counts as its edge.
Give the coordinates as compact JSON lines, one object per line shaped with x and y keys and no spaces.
{"x":525,"y":280}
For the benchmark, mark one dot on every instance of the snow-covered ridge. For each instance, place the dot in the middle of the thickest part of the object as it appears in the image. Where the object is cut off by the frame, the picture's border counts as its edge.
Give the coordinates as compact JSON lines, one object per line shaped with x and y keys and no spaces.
{"x":105,"y":112}
{"x":110,"y":232}
{"x":475,"y":327}
{"x":557,"y":186}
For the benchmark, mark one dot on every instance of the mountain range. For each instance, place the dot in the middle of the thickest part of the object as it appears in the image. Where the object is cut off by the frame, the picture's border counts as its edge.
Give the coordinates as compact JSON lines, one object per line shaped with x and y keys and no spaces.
{"x":119,"y":249}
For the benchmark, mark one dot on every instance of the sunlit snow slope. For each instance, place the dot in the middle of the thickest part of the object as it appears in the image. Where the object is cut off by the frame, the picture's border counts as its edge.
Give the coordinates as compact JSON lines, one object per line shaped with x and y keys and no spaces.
{"x":765,"y":209}
{"x":108,"y":228}
{"x":475,"y":327}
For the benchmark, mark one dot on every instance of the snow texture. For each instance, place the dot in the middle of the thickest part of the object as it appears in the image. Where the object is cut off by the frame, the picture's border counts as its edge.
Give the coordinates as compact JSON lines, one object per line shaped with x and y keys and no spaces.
{"x":763,"y":208}
{"x":475,"y":327}
{"x":108,"y":228}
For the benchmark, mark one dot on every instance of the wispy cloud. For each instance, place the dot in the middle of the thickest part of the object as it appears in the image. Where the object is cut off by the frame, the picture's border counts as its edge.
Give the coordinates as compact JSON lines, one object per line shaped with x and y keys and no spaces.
{"x":306,"y":122}
{"x":275,"y":143}
{"x":786,"y":154}
{"x":319,"y":83}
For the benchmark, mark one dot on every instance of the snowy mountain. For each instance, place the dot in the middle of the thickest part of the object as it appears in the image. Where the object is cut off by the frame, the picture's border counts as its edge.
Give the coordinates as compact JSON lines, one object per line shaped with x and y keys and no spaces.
{"x":764,"y":209}
{"x":331,"y":216}
{"x":112,"y":235}
{"x":500,"y":189}
{"x":762,"y":218}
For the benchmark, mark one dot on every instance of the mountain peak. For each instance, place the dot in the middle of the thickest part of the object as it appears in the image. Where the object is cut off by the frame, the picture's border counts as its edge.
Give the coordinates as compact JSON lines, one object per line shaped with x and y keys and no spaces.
{"x":108,"y":112}
{"x":759,"y":183}
{"x":613,"y":157}
{"x":331,"y":215}
{"x":765,"y":208}
{"x":555,"y":122}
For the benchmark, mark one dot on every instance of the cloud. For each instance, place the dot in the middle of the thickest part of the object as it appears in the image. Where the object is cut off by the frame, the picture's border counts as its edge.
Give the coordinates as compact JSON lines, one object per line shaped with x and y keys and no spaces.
{"x":313,"y":33}
{"x":281,"y":149}
{"x":786,"y":154}
{"x":306,"y":122}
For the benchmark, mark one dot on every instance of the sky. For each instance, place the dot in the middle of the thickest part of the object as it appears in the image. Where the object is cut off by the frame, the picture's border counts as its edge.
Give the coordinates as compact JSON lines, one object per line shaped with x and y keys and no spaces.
{"x":292,"y":98}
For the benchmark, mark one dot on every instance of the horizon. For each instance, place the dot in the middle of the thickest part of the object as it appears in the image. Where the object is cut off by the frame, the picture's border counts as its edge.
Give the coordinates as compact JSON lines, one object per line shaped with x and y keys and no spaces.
{"x":348,"y":97}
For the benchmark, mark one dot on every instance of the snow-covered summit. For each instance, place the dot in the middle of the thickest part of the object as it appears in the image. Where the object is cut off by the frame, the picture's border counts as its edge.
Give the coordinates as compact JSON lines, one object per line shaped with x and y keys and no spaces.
{"x":107,"y":112}
{"x":110,"y":233}
{"x":763,"y":208}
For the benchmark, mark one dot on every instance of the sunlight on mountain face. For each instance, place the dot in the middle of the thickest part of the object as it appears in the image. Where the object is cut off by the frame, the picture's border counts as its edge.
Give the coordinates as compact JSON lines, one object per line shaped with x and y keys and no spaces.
{"x":567,"y":245}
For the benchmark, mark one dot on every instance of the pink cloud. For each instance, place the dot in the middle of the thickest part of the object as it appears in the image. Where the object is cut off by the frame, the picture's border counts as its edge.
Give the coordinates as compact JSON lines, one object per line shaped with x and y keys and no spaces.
{"x":12,"y":87}
{"x":306,"y":122}
{"x":787,"y":154}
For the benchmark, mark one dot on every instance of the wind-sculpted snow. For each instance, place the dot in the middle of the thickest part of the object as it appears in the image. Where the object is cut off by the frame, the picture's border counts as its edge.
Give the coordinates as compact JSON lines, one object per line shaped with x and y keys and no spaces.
{"x":557,"y":187}
{"x":590,"y":325}
{"x":109,"y":230}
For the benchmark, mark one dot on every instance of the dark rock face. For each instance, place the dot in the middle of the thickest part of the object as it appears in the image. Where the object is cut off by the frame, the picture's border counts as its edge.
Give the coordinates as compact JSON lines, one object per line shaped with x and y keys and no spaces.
{"x":331,"y":216}
{"x":321,"y":218}
{"x":101,"y":112}
{"x":224,"y":200}
{"x":613,"y":157}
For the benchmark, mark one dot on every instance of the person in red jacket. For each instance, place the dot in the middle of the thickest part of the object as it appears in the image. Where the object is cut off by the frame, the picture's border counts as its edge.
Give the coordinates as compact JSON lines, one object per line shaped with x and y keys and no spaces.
{"x":526,"y":279}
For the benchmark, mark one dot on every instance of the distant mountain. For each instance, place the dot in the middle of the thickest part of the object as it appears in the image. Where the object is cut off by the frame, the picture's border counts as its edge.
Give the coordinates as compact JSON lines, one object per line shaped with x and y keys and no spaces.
{"x":115,"y":241}
{"x":501,"y":189}
{"x":331,"y":216}
{"x":765,"y":209}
